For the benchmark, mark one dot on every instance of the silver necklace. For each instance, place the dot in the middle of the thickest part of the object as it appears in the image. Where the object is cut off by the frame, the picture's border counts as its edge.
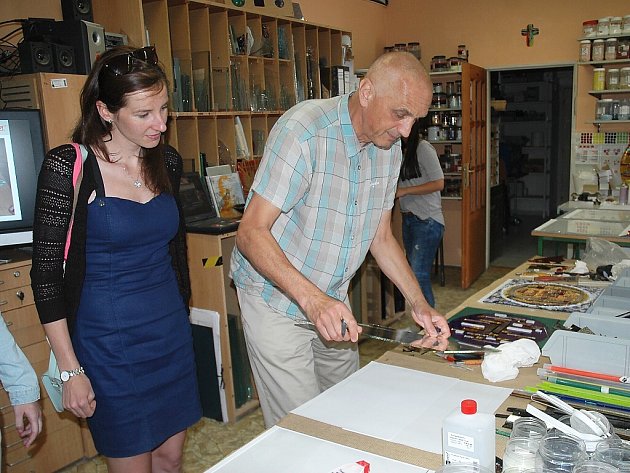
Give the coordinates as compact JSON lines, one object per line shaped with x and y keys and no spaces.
{"x":137,"y":183}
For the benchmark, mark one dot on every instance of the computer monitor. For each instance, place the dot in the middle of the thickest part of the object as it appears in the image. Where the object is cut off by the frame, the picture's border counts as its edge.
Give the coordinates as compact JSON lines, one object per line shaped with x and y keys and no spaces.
{"x":22,"y":153}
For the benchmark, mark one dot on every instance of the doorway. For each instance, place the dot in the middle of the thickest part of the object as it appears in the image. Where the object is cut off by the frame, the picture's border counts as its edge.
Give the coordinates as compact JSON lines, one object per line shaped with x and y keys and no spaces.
{"x":530,"y":125}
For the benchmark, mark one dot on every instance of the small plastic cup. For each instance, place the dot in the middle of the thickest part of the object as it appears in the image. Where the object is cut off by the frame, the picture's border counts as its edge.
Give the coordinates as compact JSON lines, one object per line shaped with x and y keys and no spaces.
{"x":613,"y":453}
{"x":594,"y":466}
{"x":528,"y":428}
{"x":520,"y":454}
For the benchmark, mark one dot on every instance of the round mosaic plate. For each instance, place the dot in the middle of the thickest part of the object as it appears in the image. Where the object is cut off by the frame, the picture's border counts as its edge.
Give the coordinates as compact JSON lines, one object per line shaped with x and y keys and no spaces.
{"x":545,"y":295}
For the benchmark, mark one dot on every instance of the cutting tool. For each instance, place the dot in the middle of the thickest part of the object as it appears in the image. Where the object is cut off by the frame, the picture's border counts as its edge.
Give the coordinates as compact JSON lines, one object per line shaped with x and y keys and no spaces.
{"x":402,"y":336}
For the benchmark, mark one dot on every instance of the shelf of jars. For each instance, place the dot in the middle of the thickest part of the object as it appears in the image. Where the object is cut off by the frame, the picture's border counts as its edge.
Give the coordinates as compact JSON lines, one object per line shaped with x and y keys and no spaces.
{"x":599,"y":93}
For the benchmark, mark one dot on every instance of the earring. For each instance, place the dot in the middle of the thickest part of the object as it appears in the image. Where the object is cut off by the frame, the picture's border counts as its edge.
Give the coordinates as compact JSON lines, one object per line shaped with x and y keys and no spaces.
{"x":110,"y":121}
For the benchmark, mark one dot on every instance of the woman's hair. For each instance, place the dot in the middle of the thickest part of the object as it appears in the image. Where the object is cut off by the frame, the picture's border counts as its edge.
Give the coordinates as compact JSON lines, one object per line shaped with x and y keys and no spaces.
{"x":117,"y":73}
{"x":410,"y":167}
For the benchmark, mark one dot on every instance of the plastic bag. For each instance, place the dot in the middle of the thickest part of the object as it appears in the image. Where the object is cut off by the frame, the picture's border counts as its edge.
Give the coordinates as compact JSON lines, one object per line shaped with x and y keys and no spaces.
{"x":601,"y":252}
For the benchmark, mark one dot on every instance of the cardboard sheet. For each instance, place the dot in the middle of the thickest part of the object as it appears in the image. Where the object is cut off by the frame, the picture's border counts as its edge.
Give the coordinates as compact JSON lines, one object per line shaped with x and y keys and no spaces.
{"x":398,"y":404}
{"x":281,"y":450}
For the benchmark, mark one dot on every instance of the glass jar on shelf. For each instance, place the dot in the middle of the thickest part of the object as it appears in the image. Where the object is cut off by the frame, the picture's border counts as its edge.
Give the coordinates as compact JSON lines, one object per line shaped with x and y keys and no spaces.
{"x":610,"y":52}
{"x":585,"y":50}
{"x":624,"y":78}
{"x":604,"y":109}
{"x":615,"y":25}
{"x":598,"y":50}
{"x":624,"y":109}
{"x":603,"y":26}
{"x":599,"y":79}
{"x":589,"y":28}
{"x":625,"y":24}
{"x":439,"y":100}
{"x":612,"y":79}
{"x":414,"y":48}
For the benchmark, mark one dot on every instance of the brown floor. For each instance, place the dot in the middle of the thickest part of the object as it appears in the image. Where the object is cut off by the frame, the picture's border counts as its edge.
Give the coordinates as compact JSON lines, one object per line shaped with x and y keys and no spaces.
{"x":209,"y":441}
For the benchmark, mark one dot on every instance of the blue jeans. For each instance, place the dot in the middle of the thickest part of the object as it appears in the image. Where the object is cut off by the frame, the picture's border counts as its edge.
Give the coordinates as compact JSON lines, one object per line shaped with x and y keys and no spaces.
{"x":421,"y":239}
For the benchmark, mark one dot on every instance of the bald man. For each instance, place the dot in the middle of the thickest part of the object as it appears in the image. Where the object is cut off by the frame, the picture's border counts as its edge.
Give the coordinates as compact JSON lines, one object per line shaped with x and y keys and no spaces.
{"x":322,"y":197}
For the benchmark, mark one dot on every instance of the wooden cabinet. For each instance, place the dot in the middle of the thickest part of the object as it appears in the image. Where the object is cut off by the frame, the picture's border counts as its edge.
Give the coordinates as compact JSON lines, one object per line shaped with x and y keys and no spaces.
{"x":56,"y":95}
{"x":460,"y":141}
{"x":61,"y":441}
{"x":212,"y":289}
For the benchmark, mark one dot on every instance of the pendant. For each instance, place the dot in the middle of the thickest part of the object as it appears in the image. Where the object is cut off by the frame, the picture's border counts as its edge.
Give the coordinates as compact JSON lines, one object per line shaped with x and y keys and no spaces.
{"x":137,"y":184}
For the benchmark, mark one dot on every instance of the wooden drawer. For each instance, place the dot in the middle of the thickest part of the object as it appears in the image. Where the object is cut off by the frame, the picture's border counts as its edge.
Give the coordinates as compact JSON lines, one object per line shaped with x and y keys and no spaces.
{"x":18,"y":319}
{"x":15,"y":277}
{"x":53,"y":421}
{"x":50,"y":452}
{"x":16,"y":298}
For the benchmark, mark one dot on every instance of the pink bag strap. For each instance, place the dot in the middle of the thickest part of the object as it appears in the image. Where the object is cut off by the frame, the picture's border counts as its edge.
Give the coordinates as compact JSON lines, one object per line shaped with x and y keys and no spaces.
{"x":76,"y":173}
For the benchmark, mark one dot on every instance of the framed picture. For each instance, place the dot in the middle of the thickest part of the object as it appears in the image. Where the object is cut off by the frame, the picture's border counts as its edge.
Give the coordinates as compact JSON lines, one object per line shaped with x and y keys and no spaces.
{"x":382,"y":2}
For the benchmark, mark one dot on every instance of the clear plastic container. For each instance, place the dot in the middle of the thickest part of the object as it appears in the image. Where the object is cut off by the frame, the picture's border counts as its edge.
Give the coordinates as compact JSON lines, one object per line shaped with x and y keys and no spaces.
{"x":603,"y":26}
{"x":520,"y":453}
{"x":528,"y":428}
{"x":593,"y":466}
{"x":598,"y":50}
{"x":610,"y":53}
{"x":614,"y":28}
{"x":625,"y":24}
{"x":589,"y":28}
{"x":624,"y":78}
{"x":624,"y":109}
{"x":559,"y":453}
{"x":599,"y":79}
{"x":468,"y":436}
{"x":616,"y":454}
{"x":585,"y":50}
{"x":612,"y":79}
{"x":604,"y":109}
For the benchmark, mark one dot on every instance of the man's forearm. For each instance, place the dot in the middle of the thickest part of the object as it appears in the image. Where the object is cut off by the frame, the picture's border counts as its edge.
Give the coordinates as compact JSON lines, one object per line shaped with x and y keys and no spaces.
{"x":264,"y":253}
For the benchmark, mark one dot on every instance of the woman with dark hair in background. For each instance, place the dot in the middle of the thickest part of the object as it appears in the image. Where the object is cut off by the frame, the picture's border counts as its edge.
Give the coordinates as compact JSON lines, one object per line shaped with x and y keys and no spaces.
{"x":419,"y":185}
{"x":117,"y":317}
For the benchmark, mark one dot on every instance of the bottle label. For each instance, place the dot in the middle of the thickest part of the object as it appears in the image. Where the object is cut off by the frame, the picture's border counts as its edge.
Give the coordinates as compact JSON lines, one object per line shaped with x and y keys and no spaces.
{"x":460,"y":441}
{"x":450,"y":457}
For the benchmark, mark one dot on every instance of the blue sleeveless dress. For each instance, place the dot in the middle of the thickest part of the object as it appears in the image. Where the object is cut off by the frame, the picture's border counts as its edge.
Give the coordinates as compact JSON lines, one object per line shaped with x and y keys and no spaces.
{"x":132,"y":333}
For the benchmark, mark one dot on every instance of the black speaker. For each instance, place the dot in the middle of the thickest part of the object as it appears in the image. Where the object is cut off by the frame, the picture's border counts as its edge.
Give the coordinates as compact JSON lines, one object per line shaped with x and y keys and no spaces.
{"x":77,"y":10}
{"x":87,"y":39}
{"x":36,"y":56}
{"x":65,"y":61}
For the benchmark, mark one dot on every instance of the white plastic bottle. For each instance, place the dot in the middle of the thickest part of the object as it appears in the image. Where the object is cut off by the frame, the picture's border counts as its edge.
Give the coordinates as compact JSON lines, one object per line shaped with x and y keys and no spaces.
{"x":468,"y":436}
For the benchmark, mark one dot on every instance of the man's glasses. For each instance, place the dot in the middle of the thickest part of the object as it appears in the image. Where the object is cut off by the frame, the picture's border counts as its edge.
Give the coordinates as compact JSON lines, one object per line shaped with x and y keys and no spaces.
{"x":125,"y":63}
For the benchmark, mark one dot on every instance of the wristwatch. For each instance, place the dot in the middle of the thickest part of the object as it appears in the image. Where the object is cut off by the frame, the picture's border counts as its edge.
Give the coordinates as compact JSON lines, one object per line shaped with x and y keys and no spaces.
{"x":66,"y":375}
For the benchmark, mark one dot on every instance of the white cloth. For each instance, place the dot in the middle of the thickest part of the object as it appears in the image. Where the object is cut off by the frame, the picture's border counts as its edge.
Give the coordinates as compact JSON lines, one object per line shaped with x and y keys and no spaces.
{"x":504,"y":365}
{"x":580,"y":268}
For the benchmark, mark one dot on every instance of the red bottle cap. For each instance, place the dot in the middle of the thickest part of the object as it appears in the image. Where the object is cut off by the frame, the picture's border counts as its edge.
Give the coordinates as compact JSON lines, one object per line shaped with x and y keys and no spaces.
{"x":469,"y":406}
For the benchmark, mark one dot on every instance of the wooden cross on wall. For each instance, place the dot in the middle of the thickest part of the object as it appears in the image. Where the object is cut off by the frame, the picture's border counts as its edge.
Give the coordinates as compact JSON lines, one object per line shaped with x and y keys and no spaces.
{"x":529,"y":34}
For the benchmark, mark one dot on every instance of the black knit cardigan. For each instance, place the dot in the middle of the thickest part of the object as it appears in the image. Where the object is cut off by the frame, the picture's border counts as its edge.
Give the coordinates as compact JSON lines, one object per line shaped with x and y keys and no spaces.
{"x":56,"y":292}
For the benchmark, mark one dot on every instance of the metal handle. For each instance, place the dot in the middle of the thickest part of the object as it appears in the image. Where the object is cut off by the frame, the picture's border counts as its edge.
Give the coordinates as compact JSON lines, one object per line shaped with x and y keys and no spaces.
{"x":9,"y":323}
{"x":17,"y":274}
{"x":4,"y":302}
{"x":20,"y":295}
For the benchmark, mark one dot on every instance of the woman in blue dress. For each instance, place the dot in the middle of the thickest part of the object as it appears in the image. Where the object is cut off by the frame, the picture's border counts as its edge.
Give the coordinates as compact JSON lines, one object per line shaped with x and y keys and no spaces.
{"x":117,"y":317}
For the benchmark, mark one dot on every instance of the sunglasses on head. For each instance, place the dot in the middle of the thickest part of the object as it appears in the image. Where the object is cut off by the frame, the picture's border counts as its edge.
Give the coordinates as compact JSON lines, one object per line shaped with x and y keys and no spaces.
{"x":125,"y":63}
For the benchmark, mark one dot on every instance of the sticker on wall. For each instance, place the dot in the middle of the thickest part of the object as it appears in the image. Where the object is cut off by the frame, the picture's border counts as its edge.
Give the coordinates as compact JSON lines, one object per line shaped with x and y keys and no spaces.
{"x":212,"y":262}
